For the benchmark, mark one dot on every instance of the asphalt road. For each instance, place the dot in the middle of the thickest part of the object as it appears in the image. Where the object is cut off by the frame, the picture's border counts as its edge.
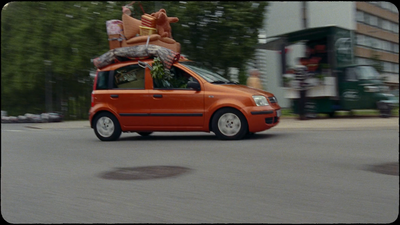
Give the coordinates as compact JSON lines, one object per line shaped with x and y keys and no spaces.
{"x":283,"y":175}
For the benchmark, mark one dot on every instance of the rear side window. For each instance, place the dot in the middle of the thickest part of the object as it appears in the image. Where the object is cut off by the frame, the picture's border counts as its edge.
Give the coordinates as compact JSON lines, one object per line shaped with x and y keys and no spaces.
{"x":102,"y":80}
{"x":129,"y":77}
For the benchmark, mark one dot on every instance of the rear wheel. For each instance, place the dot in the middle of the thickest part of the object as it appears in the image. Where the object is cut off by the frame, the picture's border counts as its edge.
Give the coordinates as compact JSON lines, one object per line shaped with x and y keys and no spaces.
{"x":384,"y":109}
{"x":229,"y":124}
{"x":106,"y":127}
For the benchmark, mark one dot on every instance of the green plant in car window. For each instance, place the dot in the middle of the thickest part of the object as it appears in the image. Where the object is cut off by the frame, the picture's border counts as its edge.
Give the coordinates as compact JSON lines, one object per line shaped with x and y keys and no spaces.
{"x":159,"y":72}
{"x":161,"y":76}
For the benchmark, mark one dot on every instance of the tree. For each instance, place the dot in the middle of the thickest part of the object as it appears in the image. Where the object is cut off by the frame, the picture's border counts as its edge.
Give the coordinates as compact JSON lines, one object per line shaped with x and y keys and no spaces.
{"x":52,"y":43}
{"x":56,"y":39}
{"x":220,"y":34}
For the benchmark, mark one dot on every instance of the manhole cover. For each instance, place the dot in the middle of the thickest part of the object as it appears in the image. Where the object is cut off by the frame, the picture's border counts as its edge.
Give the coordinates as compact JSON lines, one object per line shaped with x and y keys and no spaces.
{"x":144,"y":173}
{"x":386,"y":168}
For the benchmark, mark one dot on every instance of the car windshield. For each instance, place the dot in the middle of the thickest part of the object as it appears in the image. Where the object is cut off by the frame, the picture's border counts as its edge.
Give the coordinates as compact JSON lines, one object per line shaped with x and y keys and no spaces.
{"x":207,"y":74}
{"x":366,"y":73}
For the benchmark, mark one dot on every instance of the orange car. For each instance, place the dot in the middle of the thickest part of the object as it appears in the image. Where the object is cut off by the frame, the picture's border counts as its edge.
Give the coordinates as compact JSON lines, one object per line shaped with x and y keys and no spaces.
{"x":126,"y":98}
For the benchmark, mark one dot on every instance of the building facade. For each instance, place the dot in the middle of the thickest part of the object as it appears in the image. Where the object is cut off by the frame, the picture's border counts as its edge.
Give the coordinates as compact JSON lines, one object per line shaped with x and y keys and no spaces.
{"x":377,"y":33}
{"x":375,"y":25}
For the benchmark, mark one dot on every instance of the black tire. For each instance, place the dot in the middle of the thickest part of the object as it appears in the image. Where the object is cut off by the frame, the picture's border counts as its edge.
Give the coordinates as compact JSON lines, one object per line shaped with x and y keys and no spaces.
{"x":229,"y":124}
{"x":106,"y":127}
{"x":331,"y":114}
{"x":385,"y":110}
{"x":144,"y":134}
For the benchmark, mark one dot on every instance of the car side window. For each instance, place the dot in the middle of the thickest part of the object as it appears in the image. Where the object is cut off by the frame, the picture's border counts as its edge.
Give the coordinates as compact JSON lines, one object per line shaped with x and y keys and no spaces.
{"x":179,"y":80}
{"x":129,"y":77}
{"x":102,"y":80}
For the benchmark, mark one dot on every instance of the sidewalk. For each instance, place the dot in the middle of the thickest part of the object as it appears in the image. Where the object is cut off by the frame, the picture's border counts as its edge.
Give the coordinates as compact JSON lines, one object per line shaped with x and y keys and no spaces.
{"x":60,"y":125}
{"x":354,"y":123}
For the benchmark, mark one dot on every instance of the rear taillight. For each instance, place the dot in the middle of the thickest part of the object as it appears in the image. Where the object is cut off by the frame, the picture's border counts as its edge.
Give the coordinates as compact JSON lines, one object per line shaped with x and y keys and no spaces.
{"x":92,"y":100}
{"x":95,"y":81}
{"x":94,"y":88}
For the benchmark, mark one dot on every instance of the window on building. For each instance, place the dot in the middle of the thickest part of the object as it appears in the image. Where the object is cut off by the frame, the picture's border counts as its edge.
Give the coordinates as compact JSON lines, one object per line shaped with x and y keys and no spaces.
{"x":373,"y":20}
{"x":395,"y":28}
{"x":387,"y":67}
{"x":360,"y":16}
{"x":368,"y":41}
{"x":396,"y":48}
{"x":366,"y":18}
{"x":394,"y":65}
{"x":386,"y":5}
{"x":387,"y":46}
{"x":374,"y":43}
{"x":378,"y":43}
{"x":386,"y":25}
{"x":360,"y":39}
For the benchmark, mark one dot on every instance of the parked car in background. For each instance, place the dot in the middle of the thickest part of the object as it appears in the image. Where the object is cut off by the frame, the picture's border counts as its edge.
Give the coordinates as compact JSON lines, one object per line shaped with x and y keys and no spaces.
{"x":31,"y":118}
{"x":5,"y":119}
{"x":12,"y":119}
{"x":44,"y":117}
{"x":35,"y":118}
{"x":22,"y":119}
{"x":55,"y":117}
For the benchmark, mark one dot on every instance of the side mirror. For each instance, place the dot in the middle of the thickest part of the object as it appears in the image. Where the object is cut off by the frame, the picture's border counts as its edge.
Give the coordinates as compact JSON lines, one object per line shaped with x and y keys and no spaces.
{"x":194,"y":85}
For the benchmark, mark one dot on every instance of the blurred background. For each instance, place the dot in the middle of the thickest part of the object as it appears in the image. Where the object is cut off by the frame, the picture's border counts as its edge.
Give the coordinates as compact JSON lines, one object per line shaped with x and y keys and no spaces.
{"x":46,"y":47}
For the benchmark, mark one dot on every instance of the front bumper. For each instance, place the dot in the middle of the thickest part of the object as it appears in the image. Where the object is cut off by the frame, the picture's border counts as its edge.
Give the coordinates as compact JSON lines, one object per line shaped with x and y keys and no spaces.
{"x":262,"y":118}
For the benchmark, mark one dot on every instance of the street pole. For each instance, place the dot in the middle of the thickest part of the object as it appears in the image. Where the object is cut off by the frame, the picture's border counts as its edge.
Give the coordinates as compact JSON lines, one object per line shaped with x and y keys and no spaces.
{"x":303,"y":90}
{"x":48,"y":86}
{"x":304,"y":14}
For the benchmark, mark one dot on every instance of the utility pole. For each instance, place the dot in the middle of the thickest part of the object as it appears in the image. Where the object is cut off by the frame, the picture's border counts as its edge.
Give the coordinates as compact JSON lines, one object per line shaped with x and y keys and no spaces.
{"x":302,"y":73}
{"x":304,"y":14}
{"x":48,"y":86}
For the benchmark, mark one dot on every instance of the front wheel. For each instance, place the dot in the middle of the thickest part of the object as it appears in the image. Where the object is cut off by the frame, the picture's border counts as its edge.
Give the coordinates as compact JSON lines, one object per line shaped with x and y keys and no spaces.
{"x":106,"y":127}
{"x":229,"y":124}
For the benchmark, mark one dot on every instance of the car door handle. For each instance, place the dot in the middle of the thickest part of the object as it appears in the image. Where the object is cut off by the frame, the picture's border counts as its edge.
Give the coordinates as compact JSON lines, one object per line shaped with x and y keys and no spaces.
{"x":114,"y":96}
{"x":157,"y":96}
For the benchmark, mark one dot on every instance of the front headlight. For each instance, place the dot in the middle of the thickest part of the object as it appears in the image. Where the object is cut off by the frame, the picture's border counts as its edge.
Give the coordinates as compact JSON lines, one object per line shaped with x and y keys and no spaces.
{"x":260,"y":100}
{"x":273,"y":99}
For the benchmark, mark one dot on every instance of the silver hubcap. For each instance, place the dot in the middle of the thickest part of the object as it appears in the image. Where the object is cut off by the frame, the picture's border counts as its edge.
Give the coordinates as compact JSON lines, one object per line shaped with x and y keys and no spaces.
{"x":105,"y":126}
{"x":229,"y":124}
